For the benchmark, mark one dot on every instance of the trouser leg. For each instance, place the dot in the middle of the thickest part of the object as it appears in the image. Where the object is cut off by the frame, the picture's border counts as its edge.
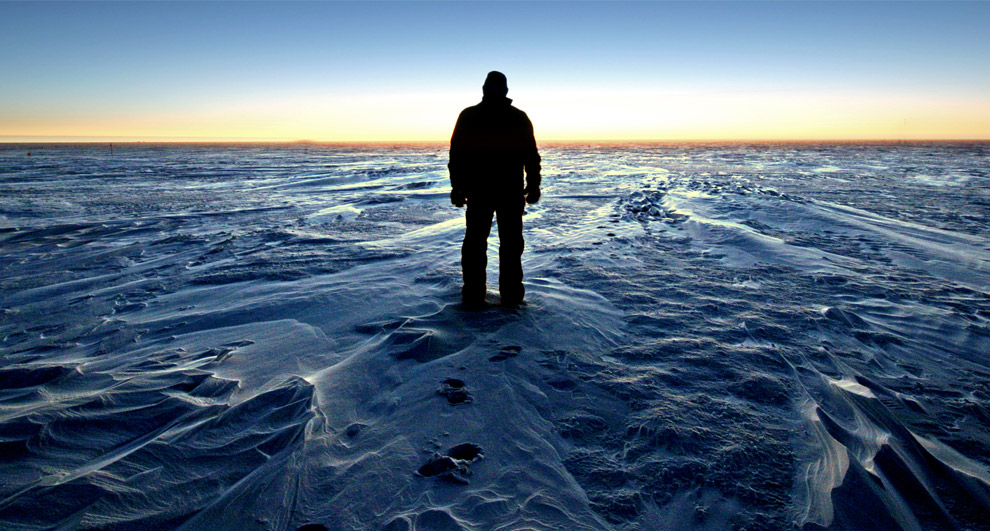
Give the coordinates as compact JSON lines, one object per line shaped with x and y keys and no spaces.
{"x":474,"y":251}
{"x":510,"y":240}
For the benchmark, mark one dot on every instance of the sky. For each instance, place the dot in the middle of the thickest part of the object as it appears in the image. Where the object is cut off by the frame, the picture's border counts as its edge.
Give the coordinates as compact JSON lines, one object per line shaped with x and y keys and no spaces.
{"x":402,"y":71}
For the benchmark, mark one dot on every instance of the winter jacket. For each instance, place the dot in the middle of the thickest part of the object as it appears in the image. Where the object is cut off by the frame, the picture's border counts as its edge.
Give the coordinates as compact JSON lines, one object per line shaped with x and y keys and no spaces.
{"x":492,"y":145}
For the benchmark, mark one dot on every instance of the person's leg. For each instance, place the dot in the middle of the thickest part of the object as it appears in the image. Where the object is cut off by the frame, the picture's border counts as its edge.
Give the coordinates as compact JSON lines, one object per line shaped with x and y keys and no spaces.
{"x":510,"y":249}
{"x":474,"y":252}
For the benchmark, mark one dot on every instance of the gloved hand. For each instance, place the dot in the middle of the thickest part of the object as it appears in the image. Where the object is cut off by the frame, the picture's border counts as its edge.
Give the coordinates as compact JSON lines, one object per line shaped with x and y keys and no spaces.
{"x":532,"y":194}
{"x":457,"y":197}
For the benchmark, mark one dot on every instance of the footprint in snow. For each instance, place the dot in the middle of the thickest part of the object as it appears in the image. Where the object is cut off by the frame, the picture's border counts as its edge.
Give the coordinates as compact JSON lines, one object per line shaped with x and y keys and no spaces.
{"x":455,"y":391}
{"x":452,"y":465}
{"x":506,"y":353}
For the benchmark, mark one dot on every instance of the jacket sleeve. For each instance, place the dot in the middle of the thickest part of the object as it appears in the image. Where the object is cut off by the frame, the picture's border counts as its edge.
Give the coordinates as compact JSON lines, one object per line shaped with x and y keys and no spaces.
{"x":531,"y":157}
{"x":455,"y":165}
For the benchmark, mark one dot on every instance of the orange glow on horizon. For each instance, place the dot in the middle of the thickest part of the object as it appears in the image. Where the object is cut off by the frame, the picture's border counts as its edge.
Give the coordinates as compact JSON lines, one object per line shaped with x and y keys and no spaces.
{"x":570,"y":117}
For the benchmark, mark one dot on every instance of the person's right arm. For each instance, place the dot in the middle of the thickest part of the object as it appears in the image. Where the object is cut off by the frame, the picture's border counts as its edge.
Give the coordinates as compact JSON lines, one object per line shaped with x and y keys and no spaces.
{"x":455,"y":166}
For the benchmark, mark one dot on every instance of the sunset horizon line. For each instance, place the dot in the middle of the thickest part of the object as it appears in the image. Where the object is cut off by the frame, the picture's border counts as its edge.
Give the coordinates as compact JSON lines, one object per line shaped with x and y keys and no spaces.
{"x":551,"y":141}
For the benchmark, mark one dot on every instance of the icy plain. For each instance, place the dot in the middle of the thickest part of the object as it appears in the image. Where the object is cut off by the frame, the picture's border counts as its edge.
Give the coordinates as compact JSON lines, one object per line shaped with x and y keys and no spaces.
{"x":721,"y":336}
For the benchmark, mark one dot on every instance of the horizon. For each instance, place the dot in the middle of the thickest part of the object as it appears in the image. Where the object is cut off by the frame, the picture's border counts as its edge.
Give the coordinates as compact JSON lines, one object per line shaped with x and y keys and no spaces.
{"x":548,"y":142}
{"x":389,"y":72}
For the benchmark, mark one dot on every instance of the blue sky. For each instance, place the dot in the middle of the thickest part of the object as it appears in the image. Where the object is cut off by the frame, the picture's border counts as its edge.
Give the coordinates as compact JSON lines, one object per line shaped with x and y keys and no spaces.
{"x":402,"y":71}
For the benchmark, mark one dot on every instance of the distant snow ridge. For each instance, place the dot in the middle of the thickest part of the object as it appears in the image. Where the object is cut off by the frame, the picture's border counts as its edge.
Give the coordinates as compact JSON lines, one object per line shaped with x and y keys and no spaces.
{"x":646,"y":206}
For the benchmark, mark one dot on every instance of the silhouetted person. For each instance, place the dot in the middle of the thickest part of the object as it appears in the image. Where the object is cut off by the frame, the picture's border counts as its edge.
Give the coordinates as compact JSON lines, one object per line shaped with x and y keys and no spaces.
{"x":492,"y":144}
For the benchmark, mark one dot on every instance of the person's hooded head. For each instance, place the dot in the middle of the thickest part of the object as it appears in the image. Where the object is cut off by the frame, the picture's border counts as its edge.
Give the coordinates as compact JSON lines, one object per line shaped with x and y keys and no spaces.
{"x":496,"y":86}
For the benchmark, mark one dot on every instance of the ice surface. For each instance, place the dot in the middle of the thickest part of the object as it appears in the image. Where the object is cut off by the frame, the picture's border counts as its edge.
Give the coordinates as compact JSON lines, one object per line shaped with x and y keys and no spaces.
{"x":719,"y":336}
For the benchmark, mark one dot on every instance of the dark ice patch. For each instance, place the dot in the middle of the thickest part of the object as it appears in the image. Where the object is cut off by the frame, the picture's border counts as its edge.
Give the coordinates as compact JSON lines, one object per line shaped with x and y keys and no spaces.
{"x":21,"y":377}
{"x":761,"y":389}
